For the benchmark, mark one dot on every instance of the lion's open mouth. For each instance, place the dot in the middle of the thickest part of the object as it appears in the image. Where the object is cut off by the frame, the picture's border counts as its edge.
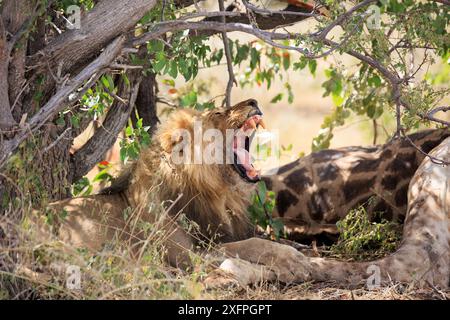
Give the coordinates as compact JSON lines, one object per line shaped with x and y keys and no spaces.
{"x":241,"y":148}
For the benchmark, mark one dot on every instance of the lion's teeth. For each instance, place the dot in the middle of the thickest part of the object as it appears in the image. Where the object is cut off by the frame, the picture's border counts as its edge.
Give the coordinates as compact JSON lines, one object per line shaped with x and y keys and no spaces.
{"x":252,"y":124}
{"x":262,"y":124}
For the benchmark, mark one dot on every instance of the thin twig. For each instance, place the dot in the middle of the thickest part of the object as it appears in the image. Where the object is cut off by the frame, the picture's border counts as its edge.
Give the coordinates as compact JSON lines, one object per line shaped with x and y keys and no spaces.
{"x":115,"y":96}
{"x":226,"y":46}
{"x":375,"y":131}
{"x":432,"y":158}
{"x":54,"y":143}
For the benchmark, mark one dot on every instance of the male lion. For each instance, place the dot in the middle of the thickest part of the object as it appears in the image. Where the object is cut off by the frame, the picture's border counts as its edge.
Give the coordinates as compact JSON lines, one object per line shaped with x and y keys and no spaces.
{"x":214,"y":196}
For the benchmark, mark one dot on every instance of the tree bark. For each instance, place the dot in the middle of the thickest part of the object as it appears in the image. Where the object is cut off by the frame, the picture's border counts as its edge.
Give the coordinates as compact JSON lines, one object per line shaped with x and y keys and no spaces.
{"x":104,"y":138}
{"x":106,"y":21}
{"x":146,"y":102}
{"x":14,"y":15}
{"x":6,"y":118}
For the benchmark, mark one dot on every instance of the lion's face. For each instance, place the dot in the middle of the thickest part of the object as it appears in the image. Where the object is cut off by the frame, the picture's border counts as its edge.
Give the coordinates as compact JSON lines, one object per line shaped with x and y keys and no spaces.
{"x":218,"y":140}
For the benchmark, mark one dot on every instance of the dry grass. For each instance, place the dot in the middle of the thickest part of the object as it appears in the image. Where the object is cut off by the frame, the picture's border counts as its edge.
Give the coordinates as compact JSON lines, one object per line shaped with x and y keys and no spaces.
{"x":33,"y":269}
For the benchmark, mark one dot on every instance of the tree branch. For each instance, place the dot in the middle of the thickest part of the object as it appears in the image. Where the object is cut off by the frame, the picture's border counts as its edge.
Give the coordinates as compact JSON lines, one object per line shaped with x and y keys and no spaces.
{"x":269,"y":37}
{"x":64,"y":97}
{"x":226,"y":47}
{"x":265,"y":19}
{"x":106,"y":21}
{"x":6,"y":119}
{"x":324,"y":32}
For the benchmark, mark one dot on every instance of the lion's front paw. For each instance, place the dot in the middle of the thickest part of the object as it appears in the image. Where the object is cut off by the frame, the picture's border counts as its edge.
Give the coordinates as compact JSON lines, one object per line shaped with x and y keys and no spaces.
{"x":220,"y":279}
{"x":284,"y":262}
{"x":233,"y":272}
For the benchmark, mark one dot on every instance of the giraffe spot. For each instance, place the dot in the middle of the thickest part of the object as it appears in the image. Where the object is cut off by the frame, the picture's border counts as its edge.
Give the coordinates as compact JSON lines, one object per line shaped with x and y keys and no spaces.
{"x":404,"y":165}
{"x":386,"y":154}
{"x":401,"y":197}
{"x":298,"y":180}
{"x":328,"y":173}
{"x":382,"y":211}
{"x":365,"y":202}
{"x":366,"y":165}
{"x":284,"y":200}
{"x":268,"y":183}
{"x":319,"y":204}
{"x":288,"y":167}
{"x":354,"y":188}
{"x":427,"y":146}
{"x":326,"y":155}
{"x":420,"y":135}
{"x":389,"y":182}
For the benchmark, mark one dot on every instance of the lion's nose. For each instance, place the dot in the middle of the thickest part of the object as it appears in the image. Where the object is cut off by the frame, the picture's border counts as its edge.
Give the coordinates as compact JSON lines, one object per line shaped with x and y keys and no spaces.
{"x":255,"y":110}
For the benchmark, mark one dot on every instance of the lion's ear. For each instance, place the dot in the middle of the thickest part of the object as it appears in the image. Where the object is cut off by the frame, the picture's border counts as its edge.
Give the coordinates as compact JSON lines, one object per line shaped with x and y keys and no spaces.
{"x":169,"y":141}
{"x":178,"y":126}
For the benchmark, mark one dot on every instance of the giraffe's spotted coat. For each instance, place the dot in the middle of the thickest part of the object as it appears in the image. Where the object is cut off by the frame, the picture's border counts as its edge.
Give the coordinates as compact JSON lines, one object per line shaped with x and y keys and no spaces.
{"x":323,"y":187}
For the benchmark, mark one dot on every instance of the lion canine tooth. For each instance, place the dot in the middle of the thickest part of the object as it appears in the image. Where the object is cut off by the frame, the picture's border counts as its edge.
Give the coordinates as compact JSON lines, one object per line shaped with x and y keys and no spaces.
{"x":252,"y":124}
{"x":262,"y":124}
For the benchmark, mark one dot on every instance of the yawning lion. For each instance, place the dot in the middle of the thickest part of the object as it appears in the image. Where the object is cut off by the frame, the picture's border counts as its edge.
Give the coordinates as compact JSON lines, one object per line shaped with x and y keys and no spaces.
{"x":214,"y":196}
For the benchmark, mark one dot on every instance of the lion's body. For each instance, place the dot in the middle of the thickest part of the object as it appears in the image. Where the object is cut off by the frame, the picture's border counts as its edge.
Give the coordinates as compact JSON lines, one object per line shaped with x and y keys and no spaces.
{"x":211,"y":196}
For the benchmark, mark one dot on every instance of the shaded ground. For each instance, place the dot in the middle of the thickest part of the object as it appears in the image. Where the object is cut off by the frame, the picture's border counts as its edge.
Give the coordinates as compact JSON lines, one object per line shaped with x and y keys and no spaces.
{"x":329,"y":291}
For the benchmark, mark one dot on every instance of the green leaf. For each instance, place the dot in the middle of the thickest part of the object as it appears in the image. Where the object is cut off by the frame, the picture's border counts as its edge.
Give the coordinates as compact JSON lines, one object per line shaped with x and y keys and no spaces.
{"x":286,"y":61}
{"x":278,"y":227}
{"x":102,"y":176}
{"x":128,"y":131}
{"x":300,"y":65}
{"x":312,"y":65}
{"x":60,"y":121}
{"x":159,"y":64}
{"x":371,"y":108}
{"x":155,"y":46}
{"x":255,"y":58}
{"x":189,"y":99}
{"x":262,"y":190}
{"x":173,"y":70}
{"x":374,"y":81}
{"x":170,"y":82}
{"x":110,"y":81}
{"x":125,"y":79}
{"x":75,"y":121}
{"x":277,"y":98}
{"x":337,"y":100}
{"x":105,"y":82}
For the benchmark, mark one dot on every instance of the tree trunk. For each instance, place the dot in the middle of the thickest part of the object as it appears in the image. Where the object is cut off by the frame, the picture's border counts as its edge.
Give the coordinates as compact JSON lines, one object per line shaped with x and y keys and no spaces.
{"x":146,"y":102}
{"x":39,"y":70}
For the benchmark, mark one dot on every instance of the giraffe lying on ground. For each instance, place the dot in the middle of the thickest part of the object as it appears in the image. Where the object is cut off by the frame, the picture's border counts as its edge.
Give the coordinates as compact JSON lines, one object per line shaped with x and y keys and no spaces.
{"x":423,"y":256}
{"x":316,"y":191}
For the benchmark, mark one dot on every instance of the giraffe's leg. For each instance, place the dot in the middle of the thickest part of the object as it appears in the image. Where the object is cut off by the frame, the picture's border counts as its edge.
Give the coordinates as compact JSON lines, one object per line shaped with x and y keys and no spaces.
{"x":423,"y":255}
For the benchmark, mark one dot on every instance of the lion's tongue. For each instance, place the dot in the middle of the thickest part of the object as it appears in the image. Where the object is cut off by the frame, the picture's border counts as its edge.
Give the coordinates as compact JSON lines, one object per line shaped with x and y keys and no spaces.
{"x":244,"y":159}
